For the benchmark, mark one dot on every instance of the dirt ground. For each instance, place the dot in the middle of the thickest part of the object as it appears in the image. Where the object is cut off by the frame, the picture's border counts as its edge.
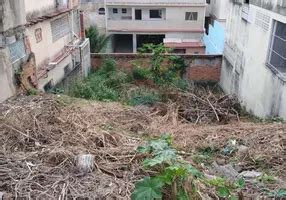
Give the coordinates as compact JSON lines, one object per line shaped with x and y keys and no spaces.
{"x":42,"y":136}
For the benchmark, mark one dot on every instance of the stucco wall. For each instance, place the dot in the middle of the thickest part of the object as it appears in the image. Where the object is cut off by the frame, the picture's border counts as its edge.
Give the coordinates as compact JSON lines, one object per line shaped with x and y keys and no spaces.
{"x":6,"y":76}
{"x":92,"y":17}
{"x":39,"y":5}
{"x":200,"y":67}
{"x":244,"y":70}
{"x":12,"y":14}
{"x":56,"y":75}
{"x":46,"y":48}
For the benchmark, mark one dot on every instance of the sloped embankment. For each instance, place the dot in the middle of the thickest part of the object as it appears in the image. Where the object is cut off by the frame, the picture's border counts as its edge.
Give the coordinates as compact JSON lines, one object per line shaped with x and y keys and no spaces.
{"x":42,"y":136}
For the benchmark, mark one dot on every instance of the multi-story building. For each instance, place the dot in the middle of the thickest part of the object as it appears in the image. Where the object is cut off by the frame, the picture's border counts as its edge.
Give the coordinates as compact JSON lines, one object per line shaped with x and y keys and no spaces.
{"x":53,"y":29}
{"x":178,"y":24}
{"x":42,"y":43}
{"x":254,"y":64}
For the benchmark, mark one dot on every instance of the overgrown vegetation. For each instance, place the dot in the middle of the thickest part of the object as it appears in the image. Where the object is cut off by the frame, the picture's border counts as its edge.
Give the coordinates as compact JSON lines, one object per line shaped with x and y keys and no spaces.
{"x":110,"y":84}
{"x":98,"y":42}
{"x":164,"y":69}
{"x":171,"y":173}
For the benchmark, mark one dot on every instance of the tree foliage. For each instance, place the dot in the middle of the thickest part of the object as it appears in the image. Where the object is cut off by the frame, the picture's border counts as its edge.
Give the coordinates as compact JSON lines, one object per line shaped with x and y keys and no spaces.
{"x":98,"y":42}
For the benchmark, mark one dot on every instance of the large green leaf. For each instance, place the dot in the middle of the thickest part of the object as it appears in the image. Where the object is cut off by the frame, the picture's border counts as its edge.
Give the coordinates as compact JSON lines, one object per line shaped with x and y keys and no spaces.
{"x":163,"y":156}
{"x":148,"y":189}
{"x":223,"y":192}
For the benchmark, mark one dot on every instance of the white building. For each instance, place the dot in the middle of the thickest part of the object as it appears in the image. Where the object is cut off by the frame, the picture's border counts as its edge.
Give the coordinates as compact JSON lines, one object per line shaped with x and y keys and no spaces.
{"x":40,"y":44}
{"x":177,"y":23}
{"x":254,"y":65}
{"x":53,"y":29}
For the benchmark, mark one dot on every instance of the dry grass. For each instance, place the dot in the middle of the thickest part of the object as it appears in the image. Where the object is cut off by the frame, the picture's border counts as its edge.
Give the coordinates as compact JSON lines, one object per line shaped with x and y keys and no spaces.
{"x":41,"y":136}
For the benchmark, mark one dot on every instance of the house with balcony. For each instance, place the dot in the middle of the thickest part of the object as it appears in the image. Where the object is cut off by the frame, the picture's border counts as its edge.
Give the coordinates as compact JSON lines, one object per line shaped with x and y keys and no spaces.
{"x":178,"y":24}
{"x":254,"y":62}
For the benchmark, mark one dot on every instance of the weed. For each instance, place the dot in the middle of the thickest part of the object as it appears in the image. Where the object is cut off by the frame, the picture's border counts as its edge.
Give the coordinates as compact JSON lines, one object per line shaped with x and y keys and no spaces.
{"x":265,"y":178}
{"x":32,"y":92}
{"x":143,"y":96}
{"x":174,"y":174}
{"x":140,"y":73}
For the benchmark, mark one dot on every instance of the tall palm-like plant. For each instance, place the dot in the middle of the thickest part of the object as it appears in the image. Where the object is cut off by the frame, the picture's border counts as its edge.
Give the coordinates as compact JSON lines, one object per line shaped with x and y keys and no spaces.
{"x":98,"y":42}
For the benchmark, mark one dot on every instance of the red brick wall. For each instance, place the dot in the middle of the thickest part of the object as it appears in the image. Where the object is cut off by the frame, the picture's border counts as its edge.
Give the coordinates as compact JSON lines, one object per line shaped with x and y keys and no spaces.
{"x":200,"y":67}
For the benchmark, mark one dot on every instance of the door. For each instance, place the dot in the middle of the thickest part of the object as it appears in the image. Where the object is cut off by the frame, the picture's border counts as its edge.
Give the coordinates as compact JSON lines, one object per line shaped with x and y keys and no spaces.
{"x":138,"y":14}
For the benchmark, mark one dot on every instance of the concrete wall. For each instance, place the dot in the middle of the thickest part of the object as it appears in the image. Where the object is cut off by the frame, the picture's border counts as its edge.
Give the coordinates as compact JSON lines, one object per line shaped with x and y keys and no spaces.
{"x":200,"y":67}
{"x":244,"y":70}
{"x":46,"y":48}
{"x":6,"y":76}
{"x":12,"y":14}
{"x":219,"y":9}
{"x":92,"y":17}
{"x":38,"y":6}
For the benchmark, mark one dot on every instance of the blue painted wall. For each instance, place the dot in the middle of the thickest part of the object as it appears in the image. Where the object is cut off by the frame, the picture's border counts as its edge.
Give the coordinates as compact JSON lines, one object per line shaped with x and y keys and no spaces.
{"x":214,"y":41}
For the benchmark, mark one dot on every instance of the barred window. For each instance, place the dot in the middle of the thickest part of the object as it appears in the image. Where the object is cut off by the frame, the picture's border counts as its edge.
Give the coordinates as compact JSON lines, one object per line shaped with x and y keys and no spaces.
{"x":60,"y":28}
{"x":17,"y":51}
{"x":277,"y":51}
{"x":191,"y":16}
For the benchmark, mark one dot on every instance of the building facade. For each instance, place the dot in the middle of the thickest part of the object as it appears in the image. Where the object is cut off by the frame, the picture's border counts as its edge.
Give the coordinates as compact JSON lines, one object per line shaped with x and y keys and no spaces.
{"x":178,"y":24}
{"x":43,"y":43}
{"x":254,"y":64}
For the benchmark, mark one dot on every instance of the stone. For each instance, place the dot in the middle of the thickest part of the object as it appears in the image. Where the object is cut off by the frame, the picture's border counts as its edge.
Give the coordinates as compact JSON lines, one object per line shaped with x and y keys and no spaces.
{"x":242,"y":151}
{"x":250,"y":174}
{"x":226,"y":171}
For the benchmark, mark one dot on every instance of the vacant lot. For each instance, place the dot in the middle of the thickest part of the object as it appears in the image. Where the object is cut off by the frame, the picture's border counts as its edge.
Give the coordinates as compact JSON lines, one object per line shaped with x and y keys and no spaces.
{"x":42,"y":137}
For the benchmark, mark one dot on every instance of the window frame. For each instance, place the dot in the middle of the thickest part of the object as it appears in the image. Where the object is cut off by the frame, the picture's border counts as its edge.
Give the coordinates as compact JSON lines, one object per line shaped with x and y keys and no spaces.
{"x":115,"y":10}
{"x":271,"y":51}
{"x":160,"y":14}
{"x":101,"y":11}
{"x":124,"y":10}
{"x":195,"y":15}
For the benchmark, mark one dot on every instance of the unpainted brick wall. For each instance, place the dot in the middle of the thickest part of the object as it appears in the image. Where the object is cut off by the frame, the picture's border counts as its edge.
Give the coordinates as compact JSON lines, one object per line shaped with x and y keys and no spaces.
{"x":200,"y":67}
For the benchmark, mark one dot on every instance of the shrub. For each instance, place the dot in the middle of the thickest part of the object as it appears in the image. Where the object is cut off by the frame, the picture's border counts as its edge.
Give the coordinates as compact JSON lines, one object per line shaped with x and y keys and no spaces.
{"x":143,"y":96}
{"x":140,"y":73}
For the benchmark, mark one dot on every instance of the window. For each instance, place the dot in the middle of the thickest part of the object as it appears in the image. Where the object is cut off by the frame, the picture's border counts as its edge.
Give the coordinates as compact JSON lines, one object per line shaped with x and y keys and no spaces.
{"x":155,"y":14}
{"x":101,"y":11}
{"x":115,"y":10}
{"x":17,"y":51}
{"x":60,"y":28}
{"x":191,"y":16}
{"x":277,"y":51}
{"x":124,"y":10}
{"x":208,"y":1}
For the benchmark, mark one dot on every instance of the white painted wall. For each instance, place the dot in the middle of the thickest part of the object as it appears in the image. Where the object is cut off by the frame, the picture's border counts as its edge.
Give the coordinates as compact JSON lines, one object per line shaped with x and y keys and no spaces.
{"x":56,"y":75}
{"x":175,"y":20}
{"x":46,"y":48}
{"x":244,"y":70}
{"x":39,"y":5}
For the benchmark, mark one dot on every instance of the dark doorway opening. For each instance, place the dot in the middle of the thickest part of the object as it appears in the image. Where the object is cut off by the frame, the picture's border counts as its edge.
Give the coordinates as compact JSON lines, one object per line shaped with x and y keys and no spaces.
{"x":123,"y":43}
{"x":138,"y":14}
{"x":149,"y":39}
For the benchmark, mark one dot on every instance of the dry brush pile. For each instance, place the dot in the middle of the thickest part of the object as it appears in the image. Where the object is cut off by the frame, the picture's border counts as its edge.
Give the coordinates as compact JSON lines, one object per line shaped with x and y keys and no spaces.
{"x":42,"y":138}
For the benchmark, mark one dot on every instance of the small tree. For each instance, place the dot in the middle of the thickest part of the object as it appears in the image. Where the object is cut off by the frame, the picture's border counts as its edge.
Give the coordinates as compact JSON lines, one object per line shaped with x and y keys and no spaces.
{"x":98,"y":42}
